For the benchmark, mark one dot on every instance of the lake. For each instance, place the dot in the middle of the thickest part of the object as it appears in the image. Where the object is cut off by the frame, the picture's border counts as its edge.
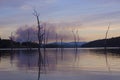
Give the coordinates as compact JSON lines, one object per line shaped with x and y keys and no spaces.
{"x":65,"y":64}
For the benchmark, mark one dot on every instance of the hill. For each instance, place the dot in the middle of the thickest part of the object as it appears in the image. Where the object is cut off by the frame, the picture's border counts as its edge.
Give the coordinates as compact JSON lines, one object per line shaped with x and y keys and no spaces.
{"x":6,"y":43}
{"x":64,"y":44}
{"x":111,"y":42}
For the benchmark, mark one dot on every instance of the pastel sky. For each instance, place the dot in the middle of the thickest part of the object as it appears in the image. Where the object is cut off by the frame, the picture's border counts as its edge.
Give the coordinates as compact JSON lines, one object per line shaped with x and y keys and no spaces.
{"x":89,"y":17}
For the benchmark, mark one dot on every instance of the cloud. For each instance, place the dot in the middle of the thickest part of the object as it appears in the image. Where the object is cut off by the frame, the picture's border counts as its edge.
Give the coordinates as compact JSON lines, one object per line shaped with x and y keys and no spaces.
{"x":106,"y":1}
{"x":12,"y":3}
{"x":102,"y":18}
{"x":26,"y":7}
{"x":19,"y":3}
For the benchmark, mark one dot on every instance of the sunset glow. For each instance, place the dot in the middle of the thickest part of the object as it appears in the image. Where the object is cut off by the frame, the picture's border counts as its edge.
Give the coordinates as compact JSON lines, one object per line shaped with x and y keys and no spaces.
{"x":89,"y":17}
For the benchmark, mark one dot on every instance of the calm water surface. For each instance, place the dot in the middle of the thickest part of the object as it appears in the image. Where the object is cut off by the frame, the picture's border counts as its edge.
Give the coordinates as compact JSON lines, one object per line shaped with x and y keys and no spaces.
{"x":61,"y":65}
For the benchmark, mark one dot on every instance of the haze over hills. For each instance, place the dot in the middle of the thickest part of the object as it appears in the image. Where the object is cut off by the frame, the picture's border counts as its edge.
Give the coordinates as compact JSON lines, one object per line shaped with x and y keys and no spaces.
{"x":111,"y":42}
{"x":64,"y":44}
{"x":6,"y":43}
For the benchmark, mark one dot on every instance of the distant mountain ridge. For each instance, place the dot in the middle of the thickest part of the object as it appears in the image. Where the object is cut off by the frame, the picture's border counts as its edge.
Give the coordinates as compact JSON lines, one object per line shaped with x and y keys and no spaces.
{"x":6,"y":43}
{"x":64,"y":44}
{"x":111,"y":42}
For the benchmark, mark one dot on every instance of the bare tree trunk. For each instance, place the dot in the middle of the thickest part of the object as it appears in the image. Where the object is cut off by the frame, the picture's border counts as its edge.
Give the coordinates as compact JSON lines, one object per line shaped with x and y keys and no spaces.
{"x":11,"y":40}
{"x":74,"y":39}
{"x":44,"y":48}
{"x":46,"y":41}
{"x":28,"y":40}
{"x":105,"y":48}
{"x":40,"y":39}
{"x":61,"y":48}
{"x":56,"y":56}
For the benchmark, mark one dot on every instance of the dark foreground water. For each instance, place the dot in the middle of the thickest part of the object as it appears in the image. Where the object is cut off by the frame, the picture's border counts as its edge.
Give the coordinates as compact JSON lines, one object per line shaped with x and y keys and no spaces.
{"x":68,"y":64}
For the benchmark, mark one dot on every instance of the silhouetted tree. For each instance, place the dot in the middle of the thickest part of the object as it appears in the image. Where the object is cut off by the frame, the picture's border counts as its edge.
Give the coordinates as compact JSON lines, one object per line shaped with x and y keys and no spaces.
{"x":40,"y":35}
{"x":62,"y":49}
{"x":105,"y":47}
{"x":11,"y":41}
{"x":76,"y":39}
{"x":56,"y":56}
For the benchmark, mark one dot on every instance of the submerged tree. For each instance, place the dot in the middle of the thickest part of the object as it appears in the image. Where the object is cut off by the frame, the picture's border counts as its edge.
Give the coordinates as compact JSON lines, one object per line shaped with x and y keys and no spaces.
{"x":45,"y":41}
{"x":61,"y":48}
{"x":11,"y":41}
{"x":28,"y":40}
{"x":106,"y":35}
{"x":40,"y":35}
{"x":76,"y":39}
{"x":105,"y":48}
{"x":56,"y":56}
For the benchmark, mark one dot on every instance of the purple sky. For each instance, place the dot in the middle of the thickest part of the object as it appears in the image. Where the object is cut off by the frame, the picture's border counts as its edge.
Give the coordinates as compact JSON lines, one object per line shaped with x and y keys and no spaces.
{"x":89,"y":17}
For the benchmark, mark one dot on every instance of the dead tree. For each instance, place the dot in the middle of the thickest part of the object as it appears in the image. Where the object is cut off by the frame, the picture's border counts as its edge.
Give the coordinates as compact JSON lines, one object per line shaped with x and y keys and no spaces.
{"x":76,"y":39}
{"x":28,"y":40}
{"x":56,"y":42}
{"x":12,"y":46}
{"x":56,"y":55}
{"x":105,"y":48}
{"x":45,"y":41}
{"x":62,"y":49}
{"x":11,"y":41}
{"x":106,"y":35}
{"x":40,"y":35}
{"x":44,"y":48}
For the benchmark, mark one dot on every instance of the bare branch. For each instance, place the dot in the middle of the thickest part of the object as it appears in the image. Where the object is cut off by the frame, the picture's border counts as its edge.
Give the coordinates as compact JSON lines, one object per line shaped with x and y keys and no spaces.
{"x":35,"y":13}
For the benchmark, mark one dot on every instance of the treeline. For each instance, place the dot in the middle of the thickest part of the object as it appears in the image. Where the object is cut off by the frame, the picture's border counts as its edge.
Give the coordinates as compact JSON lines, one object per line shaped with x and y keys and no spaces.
{"x":6,"y":43}
{"x":112,"y":42}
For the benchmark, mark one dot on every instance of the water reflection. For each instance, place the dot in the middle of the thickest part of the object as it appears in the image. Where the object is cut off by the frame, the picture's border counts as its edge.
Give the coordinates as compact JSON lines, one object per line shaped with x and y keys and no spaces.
{"x":110,"y":52}
{"x":57,"y":60}
{"x":110,"y":55}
